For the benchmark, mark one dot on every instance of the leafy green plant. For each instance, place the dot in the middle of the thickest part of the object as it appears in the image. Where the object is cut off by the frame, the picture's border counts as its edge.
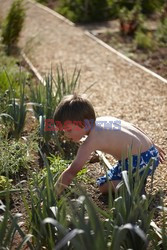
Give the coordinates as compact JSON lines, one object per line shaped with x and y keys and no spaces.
{"x":8,"y":77}
{"x":147,"y":7}
{"x":46,"y":98}
{"x":12,"y":25}
{"x":162,"y":31}
{"x":130,"y":20}
{"x":14,"y":110}
{"x":15,"y":156}
{"x":57,"y":165}
{"x":151,"y":6}
{"x":84,"y":10}
{"x":78,"y":222}
{"x":17,"y":110}
{"x":5,"y":183}
{"x":158,"y":235}
{"x":144,"y":40}
{"x":43,"y":204}
{"x":10,"y":69}
{"x":9,"y":228}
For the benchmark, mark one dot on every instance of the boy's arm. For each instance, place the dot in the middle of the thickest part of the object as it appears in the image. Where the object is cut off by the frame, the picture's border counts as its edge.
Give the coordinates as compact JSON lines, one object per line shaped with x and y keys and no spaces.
{"x":68,"y":175}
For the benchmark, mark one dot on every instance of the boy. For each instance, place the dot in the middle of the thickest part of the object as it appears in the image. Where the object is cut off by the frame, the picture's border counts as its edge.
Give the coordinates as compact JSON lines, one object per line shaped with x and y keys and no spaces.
{"x":76,"y":117}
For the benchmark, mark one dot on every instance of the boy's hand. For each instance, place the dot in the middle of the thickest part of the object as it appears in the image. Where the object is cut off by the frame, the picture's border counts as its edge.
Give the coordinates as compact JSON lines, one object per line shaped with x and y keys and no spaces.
{"x":161,"y":154}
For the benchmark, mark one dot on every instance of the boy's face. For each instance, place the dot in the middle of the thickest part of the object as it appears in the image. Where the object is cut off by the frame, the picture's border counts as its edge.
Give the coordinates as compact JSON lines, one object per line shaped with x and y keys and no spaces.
{"x":74,"y":132}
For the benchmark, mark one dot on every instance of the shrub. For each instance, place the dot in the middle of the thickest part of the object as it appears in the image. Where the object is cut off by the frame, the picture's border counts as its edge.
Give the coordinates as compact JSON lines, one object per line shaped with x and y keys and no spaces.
{"x":12,"y":25}
{"x":147,"y":6}
{"x":84,"y":10}
{"x":151,"y":6}
{"x":144,"y":41}
{"x":162,"y":31}
{"x":130,"y":20}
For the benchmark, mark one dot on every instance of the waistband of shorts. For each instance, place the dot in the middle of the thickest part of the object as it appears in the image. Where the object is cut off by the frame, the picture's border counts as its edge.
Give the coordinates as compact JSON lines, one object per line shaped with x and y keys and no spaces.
{"x":143,"y":153}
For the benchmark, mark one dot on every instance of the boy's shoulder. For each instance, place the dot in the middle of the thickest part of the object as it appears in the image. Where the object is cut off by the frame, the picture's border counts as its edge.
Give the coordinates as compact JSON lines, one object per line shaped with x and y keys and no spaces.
{"x":103,"y":119}
{"x":108,"y":123}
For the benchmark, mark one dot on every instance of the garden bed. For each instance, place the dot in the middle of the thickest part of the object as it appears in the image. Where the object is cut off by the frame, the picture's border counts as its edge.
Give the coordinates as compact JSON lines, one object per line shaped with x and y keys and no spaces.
{"x":155,"y":59}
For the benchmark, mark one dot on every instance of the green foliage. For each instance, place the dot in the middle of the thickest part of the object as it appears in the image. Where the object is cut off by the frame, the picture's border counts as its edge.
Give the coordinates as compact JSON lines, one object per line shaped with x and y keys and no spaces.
{"x":43,"y":205}
{"x":130,"y":20}
{"x":17,"y":109}
{"x":46,"y":98}
{"x":144,"y":40}
{"x":57,"y":165}
{"x":4,"y":83}
{"x":151,"y":6}
{"x":78,"y":223}
{"x":12,"y":25}
{"x":10,"y":65}
{"x":9,"y":228}
{"x":43,"y":1}
{"x":147,"y":7}
{"x":162,"y":31}
{"x":3,"y":101}
{"x":5,"y":183}
{"x":84,"y":10}
{"x":15,"y":157}
{"x":13,"y":110}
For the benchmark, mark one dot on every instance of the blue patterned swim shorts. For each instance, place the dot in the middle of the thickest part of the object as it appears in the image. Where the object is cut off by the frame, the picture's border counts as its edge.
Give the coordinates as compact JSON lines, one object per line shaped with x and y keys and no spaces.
{"x":115,"y":173}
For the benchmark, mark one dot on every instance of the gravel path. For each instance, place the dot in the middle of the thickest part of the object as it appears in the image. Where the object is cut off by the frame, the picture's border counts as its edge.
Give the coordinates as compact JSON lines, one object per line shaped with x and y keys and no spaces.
{"x":121,"y":89}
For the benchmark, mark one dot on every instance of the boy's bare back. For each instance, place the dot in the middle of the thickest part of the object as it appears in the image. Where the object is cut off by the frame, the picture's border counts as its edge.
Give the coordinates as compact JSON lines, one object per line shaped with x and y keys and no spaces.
{"x":116,"y":137}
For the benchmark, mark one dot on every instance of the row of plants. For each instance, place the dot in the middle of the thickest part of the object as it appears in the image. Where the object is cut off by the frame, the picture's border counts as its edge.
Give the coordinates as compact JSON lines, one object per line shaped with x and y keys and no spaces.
{"x":38,"y":101}
{"x":42,"y":99}
{"x":74,"y":221}
{"x":94,"y":10}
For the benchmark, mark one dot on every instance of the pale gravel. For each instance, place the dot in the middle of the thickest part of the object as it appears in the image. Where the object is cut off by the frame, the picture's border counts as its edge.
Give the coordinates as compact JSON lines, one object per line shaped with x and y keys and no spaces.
{"x":121,"y":89}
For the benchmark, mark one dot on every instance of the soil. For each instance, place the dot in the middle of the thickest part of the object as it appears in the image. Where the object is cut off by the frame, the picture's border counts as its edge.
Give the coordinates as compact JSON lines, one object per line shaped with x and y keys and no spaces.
{"x":120,"y":89}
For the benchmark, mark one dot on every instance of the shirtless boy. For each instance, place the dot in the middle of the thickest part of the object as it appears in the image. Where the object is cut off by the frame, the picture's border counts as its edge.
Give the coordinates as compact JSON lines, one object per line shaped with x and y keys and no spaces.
{"x":75,"y":115}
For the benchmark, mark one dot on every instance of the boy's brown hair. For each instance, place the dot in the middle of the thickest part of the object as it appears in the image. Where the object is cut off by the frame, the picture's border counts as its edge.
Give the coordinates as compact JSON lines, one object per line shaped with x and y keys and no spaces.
{"x":74,"y":108}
